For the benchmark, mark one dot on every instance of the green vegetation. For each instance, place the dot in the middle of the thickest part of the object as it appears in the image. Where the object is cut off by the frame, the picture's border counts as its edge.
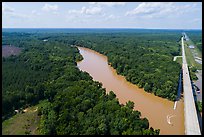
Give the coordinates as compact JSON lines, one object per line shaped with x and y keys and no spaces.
{"x":22,"y":123}
{"x":179,"y":60}
{"x":196,"y":40}
{"x":193,"y":65}
{"x":145,"y":59}
{"x":199,"y":105}
{"x":69,"y":101}
{"x":26,"y":77}
{"x":195,"y":36}
{"x":189,"y":57}
{"x":192,"y":72}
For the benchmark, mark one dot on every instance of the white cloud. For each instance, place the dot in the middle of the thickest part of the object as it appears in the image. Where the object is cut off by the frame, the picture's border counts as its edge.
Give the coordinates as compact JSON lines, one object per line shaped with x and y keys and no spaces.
{"x":148,"y":8}
{"x":10,"y":12}
{"x":159,"y":9}
{"x":35,"y":12}
{"x":20,"y":16}
{"x":74,"y":11}
{"x":6,"y":8}
{"x":112,"y":17}
{"x":93,"y":10}
{"x":110,"y":4}
{"x":49,"y":7}
{"x":88,"y":11}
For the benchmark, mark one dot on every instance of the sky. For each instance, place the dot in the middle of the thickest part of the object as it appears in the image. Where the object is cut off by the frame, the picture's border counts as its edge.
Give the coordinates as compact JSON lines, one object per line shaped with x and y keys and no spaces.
{"x":152,"y":15}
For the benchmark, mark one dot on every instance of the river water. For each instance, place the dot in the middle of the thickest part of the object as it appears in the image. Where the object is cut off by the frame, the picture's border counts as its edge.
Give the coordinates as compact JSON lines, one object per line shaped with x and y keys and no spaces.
{"x":160,"y":112}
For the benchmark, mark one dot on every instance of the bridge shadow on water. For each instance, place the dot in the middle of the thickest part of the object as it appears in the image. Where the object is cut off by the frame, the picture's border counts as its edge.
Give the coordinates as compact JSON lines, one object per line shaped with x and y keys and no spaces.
{"x":179,"y":86}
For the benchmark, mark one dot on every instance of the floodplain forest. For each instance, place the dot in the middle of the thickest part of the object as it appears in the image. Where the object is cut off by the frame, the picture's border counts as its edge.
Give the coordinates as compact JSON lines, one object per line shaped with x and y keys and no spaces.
{"x":45,"y":72}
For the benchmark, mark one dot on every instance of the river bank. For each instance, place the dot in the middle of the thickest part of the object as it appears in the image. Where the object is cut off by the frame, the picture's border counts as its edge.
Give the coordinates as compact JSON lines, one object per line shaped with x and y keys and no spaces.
{"x":160,"y":112}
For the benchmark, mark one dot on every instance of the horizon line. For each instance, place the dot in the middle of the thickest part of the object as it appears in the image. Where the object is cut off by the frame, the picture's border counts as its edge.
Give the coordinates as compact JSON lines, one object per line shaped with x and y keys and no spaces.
{"x":109,"y":28}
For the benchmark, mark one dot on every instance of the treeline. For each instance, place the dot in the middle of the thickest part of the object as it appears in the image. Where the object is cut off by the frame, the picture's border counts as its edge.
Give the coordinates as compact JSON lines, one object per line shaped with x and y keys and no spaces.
{"x":81,"y":107}
{"x":144,"y":59}
{"x":71,"y":102}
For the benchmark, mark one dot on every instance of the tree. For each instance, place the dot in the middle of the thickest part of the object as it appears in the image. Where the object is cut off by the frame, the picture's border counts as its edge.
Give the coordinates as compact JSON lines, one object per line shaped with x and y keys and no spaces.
{"x":130,"y":104}
{"x":111,"y":95}
{"x":147,"y":87}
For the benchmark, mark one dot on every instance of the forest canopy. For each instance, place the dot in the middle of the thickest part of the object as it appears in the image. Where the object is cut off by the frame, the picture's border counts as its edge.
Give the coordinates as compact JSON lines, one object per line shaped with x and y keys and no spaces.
{"x":45,"y":73}
{"x":71,"y":103}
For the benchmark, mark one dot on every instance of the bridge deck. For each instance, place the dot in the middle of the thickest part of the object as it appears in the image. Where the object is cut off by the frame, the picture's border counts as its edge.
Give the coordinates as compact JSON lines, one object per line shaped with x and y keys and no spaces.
{"x":190,"y":112}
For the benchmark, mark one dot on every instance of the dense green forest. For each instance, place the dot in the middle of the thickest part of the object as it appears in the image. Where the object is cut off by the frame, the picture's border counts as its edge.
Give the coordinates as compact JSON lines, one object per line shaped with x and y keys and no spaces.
{"x":28,"y":72}
{"x":71,"y":102}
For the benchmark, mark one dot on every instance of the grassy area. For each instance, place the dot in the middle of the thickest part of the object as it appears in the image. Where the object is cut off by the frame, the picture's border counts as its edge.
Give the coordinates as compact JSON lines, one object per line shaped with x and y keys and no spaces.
{"x":22,"y":123}
{"x":199,"y":105}
{"x":190,"y":59}
{"x":195,"y":49}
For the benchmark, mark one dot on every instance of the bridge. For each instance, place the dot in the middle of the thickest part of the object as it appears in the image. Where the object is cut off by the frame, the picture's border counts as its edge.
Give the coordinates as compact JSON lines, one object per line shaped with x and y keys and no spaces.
{"x":190,"y":113}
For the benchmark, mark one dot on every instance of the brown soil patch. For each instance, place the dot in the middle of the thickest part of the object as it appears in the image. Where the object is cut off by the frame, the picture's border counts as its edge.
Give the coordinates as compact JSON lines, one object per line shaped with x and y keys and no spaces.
{"x":10,"y":50}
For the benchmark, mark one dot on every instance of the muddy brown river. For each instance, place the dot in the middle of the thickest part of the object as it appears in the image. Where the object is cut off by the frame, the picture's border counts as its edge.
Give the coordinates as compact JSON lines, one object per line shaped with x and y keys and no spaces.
{"x":160,"y":112}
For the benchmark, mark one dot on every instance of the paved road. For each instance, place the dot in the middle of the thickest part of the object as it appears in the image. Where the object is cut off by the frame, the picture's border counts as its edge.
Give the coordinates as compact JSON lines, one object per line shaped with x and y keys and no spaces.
{"x":190,"y":112}
{"x":198,"y":83}
{"x":175,"y":57}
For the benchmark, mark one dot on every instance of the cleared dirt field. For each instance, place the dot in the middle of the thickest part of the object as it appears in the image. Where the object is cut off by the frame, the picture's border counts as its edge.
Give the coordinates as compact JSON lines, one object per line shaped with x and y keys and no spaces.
{"x":10,"y":50}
